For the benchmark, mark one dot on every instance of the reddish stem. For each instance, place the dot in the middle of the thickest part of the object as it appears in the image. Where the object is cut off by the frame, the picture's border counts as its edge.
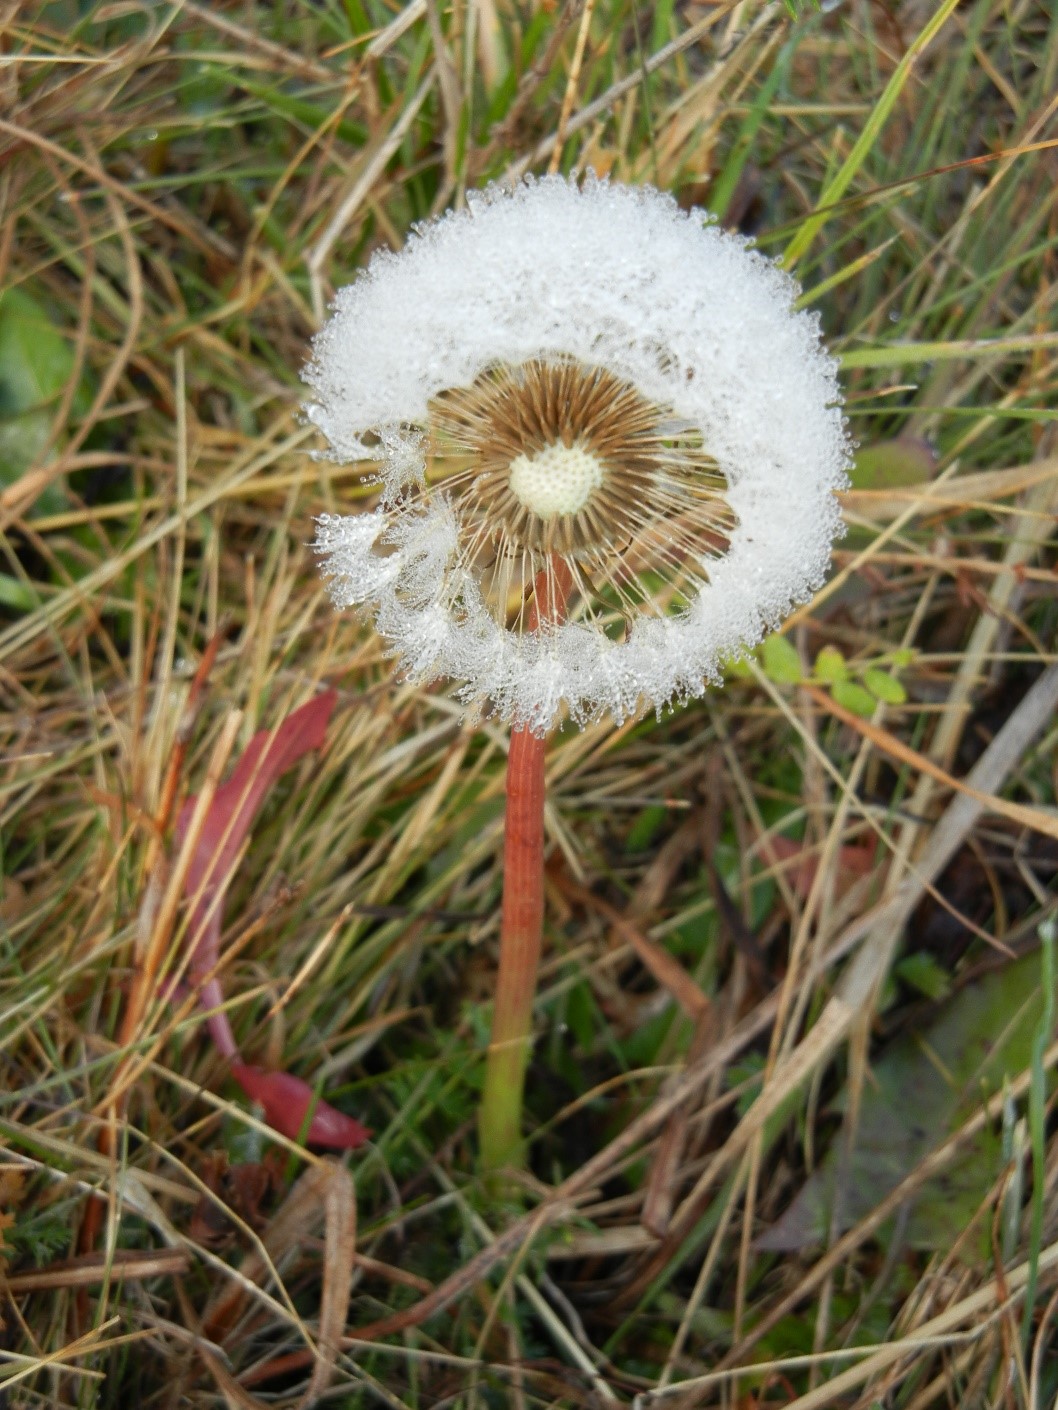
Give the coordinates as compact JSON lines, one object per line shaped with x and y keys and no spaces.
{"x":521,"y":927}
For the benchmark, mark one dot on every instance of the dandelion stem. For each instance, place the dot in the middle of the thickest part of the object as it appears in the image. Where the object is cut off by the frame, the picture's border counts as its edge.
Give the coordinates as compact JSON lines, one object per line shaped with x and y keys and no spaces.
{"x":520,"y":935}
{"x":521,"y":926}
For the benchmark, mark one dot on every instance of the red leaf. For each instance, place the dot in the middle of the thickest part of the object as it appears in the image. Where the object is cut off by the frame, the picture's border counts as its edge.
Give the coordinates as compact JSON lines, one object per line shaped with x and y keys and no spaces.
{"x":231,"y":814}
{"x":287,"y":1099}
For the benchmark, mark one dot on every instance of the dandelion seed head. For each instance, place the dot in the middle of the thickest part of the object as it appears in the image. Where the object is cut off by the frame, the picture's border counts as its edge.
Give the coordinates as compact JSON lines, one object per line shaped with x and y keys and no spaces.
{"x":578,"y":387}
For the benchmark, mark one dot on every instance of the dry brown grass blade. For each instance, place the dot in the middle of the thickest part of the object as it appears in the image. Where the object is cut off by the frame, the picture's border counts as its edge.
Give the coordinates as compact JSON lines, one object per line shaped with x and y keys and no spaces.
{"x":1031,"y":716}
{"x":570,"y":94}
{"x":668,"y":971}
{"x":979,"y":489}
{"x":1037,"y":819}
{"x":339,"y":1223}
{"x":659,"y":877}
{"x":286,"y":60}
{"x":860,"y":982}
{"x":149,"y":960}
{"x":452,"y":97}
{"x":92,"y":1269}
{"x":528,"y":86}
{"x":603,"y":104}
{"x":236,"y":1397}
{"x":374,"y":163}
{"x":665,"y":1169}
{"x":157,"y":920}
{"x":310,"y":1200}
{"x":65,"y":1356}
{"x":966,"y":1320}
{"x":934,"y":1164}
{"x":159,"y":911}
{"x":510,"y":1241}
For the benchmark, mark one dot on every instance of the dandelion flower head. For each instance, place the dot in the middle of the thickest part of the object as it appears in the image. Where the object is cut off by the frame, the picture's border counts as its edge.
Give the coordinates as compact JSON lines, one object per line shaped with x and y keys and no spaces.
{"x":607,"y":448}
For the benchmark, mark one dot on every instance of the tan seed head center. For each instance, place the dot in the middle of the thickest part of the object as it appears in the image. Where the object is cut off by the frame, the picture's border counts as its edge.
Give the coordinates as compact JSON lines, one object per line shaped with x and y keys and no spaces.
{"x":557,"y":480}
{"x":557,"y":466}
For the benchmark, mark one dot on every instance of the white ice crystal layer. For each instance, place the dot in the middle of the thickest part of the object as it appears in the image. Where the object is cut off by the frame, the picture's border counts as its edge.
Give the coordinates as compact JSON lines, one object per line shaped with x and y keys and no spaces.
{"x":615,"y":277}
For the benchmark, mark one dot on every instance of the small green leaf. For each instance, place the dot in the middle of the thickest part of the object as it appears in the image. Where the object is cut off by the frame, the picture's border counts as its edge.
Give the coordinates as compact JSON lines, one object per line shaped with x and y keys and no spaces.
{"x":17,"y":595}
{"x":902,"y":658}
{"x":830,"y":666}
{"x":646,"y":827}
{"x":923,"y":973}
{"x":855,"y":698}
{"x":35,"y":358}
{"x":36,"y":361}
{"x":888,"y":465}
{"x":884,"y":686}
{"x":781,"y":661}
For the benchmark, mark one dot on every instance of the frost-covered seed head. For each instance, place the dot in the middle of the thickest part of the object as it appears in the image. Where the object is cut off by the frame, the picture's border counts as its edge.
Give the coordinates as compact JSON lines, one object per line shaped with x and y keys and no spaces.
{"x":580,"y":387}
